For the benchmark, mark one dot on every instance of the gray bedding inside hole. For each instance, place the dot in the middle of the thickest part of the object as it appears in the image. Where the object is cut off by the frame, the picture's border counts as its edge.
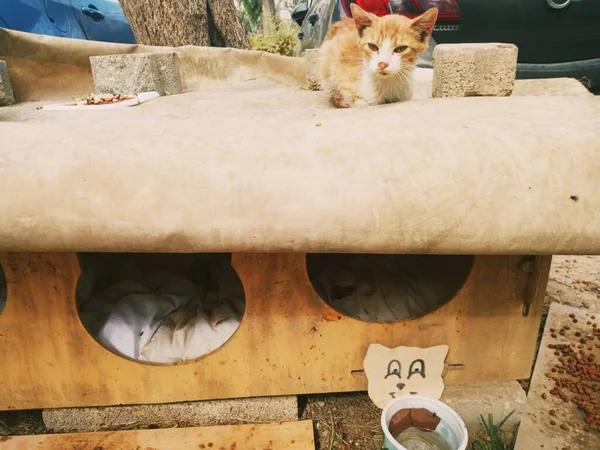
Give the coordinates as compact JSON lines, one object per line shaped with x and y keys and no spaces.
{"x":387,"y":288}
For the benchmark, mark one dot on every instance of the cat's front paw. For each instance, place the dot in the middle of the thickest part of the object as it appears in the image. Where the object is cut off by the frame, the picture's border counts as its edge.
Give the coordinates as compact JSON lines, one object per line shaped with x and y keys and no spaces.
{"x":341,"y":101}
{"x":361,"y":102}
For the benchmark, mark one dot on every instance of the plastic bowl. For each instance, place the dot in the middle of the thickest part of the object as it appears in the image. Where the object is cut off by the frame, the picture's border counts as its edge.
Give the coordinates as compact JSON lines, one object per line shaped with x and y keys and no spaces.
{"x":451,"y":426}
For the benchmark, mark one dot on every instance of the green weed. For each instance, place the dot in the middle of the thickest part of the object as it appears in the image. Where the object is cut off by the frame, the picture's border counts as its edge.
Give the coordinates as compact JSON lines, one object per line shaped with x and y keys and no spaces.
{"x":494,"y":438}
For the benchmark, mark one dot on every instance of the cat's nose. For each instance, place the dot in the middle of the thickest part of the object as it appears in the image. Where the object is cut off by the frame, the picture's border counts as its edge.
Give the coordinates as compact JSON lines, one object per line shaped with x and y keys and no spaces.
{"x":382,"y":65}
{"x":400,"y":386}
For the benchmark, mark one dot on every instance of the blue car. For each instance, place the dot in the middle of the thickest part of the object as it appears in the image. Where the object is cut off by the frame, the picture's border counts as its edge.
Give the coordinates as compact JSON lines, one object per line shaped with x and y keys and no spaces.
{"x":102,"y":20}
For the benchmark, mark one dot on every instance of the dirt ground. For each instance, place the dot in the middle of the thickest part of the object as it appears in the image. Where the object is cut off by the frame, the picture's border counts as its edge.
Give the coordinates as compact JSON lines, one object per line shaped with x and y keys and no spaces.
{"x":345,"y":421}
{"x":348,"y":421}
{"x":575,"y":281}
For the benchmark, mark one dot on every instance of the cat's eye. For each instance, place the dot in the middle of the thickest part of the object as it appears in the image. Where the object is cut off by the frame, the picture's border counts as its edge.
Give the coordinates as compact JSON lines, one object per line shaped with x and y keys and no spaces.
{"x":400,"y":49}
{"x":373,"y":47}
{"x":417,"y":366}
{"x":394,"y":368}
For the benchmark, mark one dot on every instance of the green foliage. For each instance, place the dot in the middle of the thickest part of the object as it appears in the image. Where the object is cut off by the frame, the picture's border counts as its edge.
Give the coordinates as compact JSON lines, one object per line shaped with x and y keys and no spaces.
{"x":281,"y":39}
{"x":250,"y":12}
{"x":494,"y":439}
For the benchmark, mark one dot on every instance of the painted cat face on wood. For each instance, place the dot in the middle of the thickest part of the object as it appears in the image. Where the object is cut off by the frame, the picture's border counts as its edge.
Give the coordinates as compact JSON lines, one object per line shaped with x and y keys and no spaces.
{"x":400,"y":371}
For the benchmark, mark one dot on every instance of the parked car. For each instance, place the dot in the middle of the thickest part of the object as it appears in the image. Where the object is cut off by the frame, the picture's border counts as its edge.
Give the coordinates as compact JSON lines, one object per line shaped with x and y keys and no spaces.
{"x":556,"y":38}
{"x":102,"y":20}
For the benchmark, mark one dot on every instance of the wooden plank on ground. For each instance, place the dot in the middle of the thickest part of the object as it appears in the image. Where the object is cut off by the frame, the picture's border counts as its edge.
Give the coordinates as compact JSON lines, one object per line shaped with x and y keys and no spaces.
{"x":277,"y":436}
{"x":564,"y":427}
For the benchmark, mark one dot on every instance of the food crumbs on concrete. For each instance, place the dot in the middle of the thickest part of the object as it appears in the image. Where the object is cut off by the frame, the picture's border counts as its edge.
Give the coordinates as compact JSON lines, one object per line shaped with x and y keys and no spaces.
{"x":103,"y":99}
{"x":576,"y":377}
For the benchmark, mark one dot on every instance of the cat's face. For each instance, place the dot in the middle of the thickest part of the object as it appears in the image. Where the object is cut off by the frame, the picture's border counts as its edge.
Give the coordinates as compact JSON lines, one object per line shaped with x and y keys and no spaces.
{"x":391,"y":43}
{"x":401,"y":371}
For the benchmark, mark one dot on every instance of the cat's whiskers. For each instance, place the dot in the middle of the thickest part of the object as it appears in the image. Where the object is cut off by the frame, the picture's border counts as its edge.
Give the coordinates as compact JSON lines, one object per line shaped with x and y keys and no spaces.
{"x":405,"y":74}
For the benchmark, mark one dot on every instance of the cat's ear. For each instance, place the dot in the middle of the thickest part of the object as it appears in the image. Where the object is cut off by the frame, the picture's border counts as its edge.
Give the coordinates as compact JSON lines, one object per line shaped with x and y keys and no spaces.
{"x":423,"y":24}
{"x":362,"y":19}
{"x":376,"y":353}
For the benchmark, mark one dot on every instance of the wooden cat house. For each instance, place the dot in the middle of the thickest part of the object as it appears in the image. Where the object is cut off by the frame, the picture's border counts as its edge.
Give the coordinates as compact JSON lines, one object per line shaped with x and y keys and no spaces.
{"x":478,"y":192}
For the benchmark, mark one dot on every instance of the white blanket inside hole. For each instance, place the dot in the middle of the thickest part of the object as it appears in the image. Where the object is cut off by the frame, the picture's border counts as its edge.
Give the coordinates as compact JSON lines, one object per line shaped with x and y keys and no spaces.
{"x":387,"y":288}
{"x":160,"y":314}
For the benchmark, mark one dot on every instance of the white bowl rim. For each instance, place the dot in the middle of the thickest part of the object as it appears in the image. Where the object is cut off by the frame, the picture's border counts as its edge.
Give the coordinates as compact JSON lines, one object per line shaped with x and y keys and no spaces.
{"x":425,"y":401}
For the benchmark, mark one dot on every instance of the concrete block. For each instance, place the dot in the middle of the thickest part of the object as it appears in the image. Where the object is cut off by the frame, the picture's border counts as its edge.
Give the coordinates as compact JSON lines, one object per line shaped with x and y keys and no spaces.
{"x":548,"y":87}
{"x":6,"y":93}
{"x":139,"y":72}
{"x":214,"y":412}
{"x":471,"y":401}
{"x":312,"y":69}
{"x":466,"y":70}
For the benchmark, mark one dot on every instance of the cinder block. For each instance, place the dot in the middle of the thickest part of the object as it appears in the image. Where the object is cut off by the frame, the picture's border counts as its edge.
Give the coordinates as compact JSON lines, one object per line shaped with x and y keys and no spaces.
{"x":549,"y":87}
{"x":6,"y":92}
{"x":214,"y":412}
{"x":473,"y":400}
{"x":312,"y":69}
{"x":466,"y":70}
{"x":140,"y":72}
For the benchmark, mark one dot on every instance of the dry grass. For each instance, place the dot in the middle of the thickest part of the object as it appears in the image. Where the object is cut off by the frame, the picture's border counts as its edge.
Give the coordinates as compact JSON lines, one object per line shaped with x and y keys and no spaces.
{"x":15,"y":423}
{"x":280,"y":39}
{"x":345,"y":421}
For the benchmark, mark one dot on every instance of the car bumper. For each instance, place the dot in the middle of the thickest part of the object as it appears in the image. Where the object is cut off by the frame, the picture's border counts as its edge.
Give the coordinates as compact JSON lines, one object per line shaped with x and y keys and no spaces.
{"x":588,"y":71}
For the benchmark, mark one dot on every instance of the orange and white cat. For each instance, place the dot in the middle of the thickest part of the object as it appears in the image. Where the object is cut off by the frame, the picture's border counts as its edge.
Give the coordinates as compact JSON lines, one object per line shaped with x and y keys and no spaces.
{"x":369,"y":60}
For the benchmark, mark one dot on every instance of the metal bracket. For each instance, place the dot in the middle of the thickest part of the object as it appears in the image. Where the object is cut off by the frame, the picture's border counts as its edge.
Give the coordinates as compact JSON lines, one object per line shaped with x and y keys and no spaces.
{"x":530,"y":265}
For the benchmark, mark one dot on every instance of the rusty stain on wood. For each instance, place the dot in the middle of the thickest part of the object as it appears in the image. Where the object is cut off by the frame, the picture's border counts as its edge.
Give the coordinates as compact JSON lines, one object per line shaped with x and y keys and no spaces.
{"x":49,"y":360}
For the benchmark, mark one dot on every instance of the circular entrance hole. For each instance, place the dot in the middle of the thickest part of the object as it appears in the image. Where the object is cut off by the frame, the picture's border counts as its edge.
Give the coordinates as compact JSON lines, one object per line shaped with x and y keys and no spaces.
{"x":387,"y":288}
{"x":160,"y":308}
{"x":3,"y":289}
